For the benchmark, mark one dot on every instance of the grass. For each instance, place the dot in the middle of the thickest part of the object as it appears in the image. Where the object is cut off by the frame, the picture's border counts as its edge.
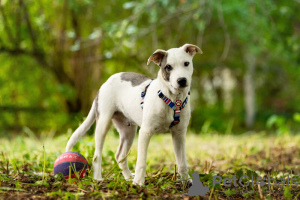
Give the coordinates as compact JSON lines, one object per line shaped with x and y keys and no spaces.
{"x":26,"y":167}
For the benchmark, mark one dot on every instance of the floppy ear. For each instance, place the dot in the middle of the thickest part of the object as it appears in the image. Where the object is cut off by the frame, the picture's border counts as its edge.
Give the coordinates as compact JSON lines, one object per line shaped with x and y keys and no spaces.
{"x":191,"y":49}
{"x":157,"y":56}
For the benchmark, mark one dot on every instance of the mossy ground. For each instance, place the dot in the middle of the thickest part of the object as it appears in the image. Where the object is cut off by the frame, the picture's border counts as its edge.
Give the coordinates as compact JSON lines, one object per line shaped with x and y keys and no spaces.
{"x":26,"y":167}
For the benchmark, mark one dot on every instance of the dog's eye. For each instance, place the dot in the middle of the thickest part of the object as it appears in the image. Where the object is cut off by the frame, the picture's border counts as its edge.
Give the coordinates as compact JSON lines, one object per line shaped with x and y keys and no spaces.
{"x":186,"y":64}
{"x":168,"y":67}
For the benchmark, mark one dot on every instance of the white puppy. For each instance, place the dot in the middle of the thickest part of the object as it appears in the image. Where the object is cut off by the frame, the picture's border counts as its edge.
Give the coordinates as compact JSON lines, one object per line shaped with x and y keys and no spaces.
{"x":119,"y":99}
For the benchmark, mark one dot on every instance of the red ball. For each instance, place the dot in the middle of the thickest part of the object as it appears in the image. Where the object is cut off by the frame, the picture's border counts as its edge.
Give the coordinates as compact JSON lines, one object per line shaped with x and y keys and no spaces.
{"x":64,"y":161}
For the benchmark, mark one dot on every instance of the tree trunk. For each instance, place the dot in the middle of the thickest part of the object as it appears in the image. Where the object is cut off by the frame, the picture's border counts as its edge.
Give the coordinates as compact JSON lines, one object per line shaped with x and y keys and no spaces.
{"x":249,"y":90}
{"x":80,"y":69}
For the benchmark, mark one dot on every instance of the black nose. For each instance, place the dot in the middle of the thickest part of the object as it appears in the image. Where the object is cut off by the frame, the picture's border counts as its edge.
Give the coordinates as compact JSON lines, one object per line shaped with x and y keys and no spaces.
{"x":181,"y":82}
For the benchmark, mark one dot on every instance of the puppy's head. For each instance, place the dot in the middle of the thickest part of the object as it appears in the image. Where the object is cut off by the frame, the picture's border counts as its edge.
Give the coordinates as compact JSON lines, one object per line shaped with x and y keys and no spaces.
{"x":176,"y":66}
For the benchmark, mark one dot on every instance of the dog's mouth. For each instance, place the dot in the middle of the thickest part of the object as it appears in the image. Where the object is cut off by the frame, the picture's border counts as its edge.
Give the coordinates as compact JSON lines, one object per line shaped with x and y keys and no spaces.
{"x":174,"y":87}
{"x":179,"y":88}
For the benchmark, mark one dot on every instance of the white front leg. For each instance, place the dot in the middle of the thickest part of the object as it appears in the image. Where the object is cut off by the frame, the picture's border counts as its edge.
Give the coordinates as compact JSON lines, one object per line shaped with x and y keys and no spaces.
{"x":141,"y":165}
{"x":178,"y":138}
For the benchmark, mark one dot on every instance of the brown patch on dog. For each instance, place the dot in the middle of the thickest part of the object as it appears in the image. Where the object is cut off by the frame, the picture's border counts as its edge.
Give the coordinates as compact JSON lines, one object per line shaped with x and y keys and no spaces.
{"x":135,"y":78}
{"x":165,"y":72}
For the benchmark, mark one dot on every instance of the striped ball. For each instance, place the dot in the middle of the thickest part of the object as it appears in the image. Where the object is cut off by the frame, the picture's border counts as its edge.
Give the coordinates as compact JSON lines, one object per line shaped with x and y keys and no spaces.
{"x":63,"y":164}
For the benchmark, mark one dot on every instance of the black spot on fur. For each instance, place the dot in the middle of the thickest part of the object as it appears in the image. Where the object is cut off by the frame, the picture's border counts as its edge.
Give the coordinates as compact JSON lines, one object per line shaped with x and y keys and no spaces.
{"x":165,"y":73}
{"x":135,"y":78}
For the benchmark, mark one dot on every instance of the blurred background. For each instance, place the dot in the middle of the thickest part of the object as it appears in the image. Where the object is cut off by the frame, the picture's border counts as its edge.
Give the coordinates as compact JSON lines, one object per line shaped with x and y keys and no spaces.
{"x":54,"y":56}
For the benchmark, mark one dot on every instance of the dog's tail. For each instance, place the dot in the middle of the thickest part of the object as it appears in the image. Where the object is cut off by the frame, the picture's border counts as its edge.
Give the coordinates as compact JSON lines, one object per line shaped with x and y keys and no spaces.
{"x":82,"y":129}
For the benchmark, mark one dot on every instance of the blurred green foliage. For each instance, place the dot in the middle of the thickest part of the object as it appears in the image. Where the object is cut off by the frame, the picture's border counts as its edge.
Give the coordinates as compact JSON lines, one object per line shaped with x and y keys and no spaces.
{"x":54,"y":55}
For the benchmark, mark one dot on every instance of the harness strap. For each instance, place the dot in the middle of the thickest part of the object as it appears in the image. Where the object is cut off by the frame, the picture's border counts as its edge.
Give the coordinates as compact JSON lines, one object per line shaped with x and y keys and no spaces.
{"x":143,"y":94}
{"x":170,"y":103}
{"x":177,"y":106}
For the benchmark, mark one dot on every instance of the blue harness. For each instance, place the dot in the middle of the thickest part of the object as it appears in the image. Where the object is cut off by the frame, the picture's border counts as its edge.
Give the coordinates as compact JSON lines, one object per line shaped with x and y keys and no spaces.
{"x":177,"y":106}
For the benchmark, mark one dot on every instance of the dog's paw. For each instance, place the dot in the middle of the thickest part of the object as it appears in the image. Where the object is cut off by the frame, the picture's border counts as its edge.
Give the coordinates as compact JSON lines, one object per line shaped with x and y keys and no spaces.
{"x":135,"y":183}
{"x":99,"y":179}
{"x":187,"y":183}
{"x":139,"y":182}
{"x":128,"y":176}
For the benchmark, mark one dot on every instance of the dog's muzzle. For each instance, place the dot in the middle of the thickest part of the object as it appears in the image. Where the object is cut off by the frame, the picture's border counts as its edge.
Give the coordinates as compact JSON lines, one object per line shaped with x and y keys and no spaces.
{"x":182,"y":82}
